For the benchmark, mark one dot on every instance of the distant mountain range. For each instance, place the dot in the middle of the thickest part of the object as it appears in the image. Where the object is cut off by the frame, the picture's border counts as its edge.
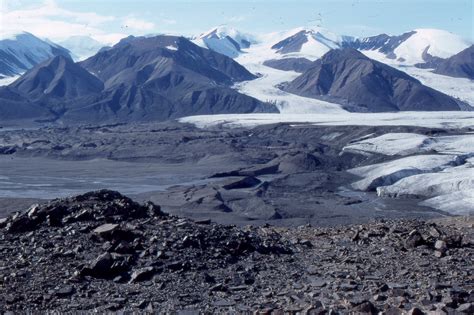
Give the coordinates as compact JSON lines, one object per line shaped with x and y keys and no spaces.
{"x":410,"y":48}
{"x":419,"y":46}
{"x":164,"y":77}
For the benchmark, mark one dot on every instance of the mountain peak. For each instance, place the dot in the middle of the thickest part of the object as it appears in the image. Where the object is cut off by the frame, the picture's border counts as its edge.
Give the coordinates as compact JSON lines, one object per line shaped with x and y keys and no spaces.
{"x":343,"y":54}
{"x":311,"y":43}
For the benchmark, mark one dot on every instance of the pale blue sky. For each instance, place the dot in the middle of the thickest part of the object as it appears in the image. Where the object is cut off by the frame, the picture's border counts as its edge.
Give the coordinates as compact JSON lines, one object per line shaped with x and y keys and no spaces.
{"x":105,"y":19}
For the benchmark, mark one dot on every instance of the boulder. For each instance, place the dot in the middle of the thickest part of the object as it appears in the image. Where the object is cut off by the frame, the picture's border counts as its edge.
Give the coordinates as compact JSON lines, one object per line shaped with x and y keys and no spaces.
{"x":142,"y":274}
{"x":240,"y":182}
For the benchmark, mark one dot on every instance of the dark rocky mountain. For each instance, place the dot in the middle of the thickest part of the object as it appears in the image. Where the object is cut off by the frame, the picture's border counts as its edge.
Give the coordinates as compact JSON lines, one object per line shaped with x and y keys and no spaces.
{"x":361,"y":84}
{"x":48,"y":90}
{"x":460,"y":65}
{"x":57,"y":78}
{"x":22,"y":51}
{"x":289,"y":64}
{"x":144,"y":61}
{"x":384,"y":43}
{"x":139,"y":79}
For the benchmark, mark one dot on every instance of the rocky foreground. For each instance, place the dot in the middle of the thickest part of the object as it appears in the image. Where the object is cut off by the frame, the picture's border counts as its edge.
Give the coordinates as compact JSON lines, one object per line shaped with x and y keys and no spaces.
{"x":101,"y":251}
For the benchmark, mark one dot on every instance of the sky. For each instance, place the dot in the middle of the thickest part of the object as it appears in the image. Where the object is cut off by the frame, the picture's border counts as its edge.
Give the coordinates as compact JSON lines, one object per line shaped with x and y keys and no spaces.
{"x":109,"y":20}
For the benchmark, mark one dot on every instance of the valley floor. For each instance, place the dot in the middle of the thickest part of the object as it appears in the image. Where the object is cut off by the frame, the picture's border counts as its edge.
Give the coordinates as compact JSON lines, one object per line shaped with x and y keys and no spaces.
{"x":286,"y":174}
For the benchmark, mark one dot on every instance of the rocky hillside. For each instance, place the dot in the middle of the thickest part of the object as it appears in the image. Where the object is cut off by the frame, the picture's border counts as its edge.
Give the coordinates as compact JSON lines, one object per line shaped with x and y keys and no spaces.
{"x":101,"y":252}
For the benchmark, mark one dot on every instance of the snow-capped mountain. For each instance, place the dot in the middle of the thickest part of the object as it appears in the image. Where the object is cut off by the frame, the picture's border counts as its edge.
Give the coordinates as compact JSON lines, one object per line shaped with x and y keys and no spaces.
{"x":310,"y":43}
{"x":81,"y":47}
{"x":22,"y":51}
{"x":436,"y":43}
{"x":417,"y":46}
{"x":225,"y":40}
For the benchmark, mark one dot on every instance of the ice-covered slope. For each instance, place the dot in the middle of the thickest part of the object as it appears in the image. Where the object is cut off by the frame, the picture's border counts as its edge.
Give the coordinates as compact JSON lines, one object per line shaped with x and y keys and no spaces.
{"x":410,"y":143}
{"x":445,"y":176}
{"x":451,"y":190}
{"x":387,"y":173}
{"x":437,"y":43}
{"x":22,"y":51}
{"x":265,"y":88}
{"x":225,"y":40}
{"x":81,"y":47}
{"x":418,"y":119}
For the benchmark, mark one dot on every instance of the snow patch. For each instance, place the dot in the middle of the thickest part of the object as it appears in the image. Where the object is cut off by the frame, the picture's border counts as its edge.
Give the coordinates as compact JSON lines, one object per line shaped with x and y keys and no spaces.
{"x":170,"y":47}
{"x":8,"y":80}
